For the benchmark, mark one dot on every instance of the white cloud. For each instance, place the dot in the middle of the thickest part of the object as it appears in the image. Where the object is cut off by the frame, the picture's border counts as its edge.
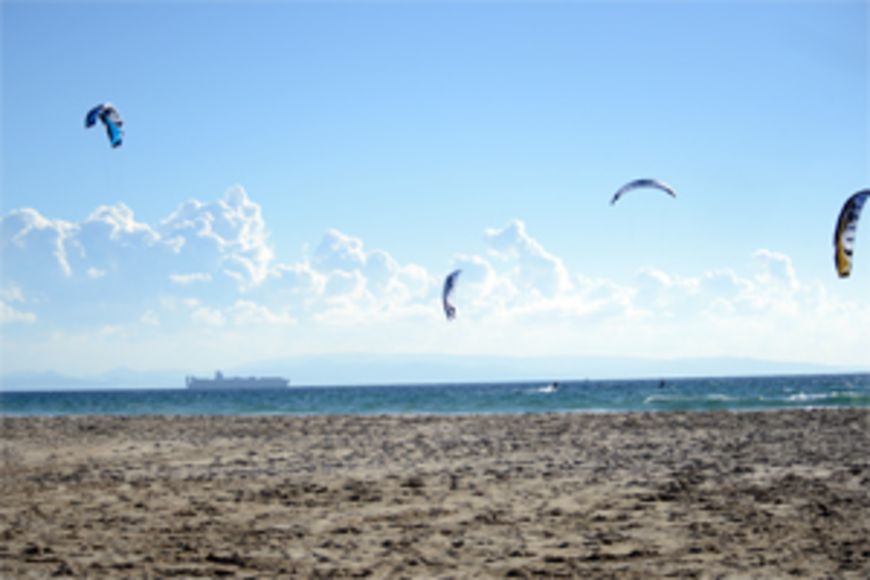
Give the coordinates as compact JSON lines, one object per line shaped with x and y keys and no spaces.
{"x":111,"y":330}
{"x":118,"y":224}
{"x":208,"y":268}
{"x":199,"y":240}
{"x":659,"y":293}
{"x":111,"y":242}
{"x":8,"y":315}
{"x":534,"y":268}
{"x":242,"y":313}
{"x":187,"y":279}
{"x":344,"y":283}
{"x":149,"y":318}
{"x":777,"y":269}
{"x":230,"y":235}
{"x":27,"y":234}
{"x":12,"y":293}
{"x":297,"y":282}
{"x":338,"y":251}
{"x":207,"y":316}
{"x":61,"y":263}
{"x":247,"y":313}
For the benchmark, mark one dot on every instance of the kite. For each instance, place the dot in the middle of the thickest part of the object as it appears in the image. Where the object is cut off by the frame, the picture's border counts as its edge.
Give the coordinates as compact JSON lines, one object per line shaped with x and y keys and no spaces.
{"x":108,"y":114}
{"x":844,"y":234}
{"x":640,"y":183}
{"x":449,"y":285}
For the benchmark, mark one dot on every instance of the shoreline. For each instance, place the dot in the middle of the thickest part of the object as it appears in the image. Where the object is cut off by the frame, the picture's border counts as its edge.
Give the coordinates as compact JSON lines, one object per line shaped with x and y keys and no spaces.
{"x":431,"y":415}
{"x":637,"y":494}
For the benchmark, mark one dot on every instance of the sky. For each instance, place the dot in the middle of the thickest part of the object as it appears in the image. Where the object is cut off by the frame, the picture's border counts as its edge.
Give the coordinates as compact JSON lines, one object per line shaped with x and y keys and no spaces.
{"x":297,"y":178}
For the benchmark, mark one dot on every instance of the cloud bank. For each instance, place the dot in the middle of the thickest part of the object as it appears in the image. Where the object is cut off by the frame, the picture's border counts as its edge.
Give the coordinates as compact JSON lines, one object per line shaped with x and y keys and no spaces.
{"x":205,"y":284}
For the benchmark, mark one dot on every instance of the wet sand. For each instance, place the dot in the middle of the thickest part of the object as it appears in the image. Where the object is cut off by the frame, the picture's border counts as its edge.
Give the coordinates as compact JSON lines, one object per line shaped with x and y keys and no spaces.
{"x":628,"y":496}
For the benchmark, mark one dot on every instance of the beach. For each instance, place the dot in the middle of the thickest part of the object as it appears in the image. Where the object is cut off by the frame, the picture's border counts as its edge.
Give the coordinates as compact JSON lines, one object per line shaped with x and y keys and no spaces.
{"x":750,"y":494}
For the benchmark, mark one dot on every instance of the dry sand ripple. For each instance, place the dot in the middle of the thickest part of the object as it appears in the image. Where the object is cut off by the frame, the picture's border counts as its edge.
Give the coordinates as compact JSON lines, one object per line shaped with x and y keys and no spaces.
{"x":639,"y":495}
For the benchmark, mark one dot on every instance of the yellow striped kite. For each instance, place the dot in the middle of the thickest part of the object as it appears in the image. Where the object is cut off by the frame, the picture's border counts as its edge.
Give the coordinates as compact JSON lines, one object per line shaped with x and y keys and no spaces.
{"x":844,"y":235}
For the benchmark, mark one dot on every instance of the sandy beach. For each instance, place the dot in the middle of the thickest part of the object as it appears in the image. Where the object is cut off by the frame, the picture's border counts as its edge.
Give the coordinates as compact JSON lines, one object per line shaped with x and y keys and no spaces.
{"x":642,"y":495}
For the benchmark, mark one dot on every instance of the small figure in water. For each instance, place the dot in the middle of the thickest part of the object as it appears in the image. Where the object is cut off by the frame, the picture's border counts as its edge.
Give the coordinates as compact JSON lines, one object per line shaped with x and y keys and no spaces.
{"x":551,"y":388}
{"x":662,"y":384}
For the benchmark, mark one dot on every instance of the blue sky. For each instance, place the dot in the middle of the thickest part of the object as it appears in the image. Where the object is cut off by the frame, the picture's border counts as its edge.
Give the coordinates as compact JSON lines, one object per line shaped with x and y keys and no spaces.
{"x":298,"y":177}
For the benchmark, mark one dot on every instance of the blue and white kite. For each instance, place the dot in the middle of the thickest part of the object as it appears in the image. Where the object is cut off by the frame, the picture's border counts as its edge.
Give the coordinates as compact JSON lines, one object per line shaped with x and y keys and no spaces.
{"x":108,"y":114}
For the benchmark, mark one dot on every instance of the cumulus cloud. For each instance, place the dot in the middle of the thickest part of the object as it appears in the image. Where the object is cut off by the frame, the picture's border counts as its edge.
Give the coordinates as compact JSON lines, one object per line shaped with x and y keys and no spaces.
{"x":207,"y":316}
{"x":242,"y":313}
{"x":229,"y":235}
{"x":26,"y":235}
{"x":657,"y":291}
{"x":187,"y":279}
{"x":208,"y":268}
{"x":299,"y":279}
{"x":11,"y":293}
{"x":117,"y":223}
{"x":8,"y":314}
{"x":150,"y":318}
{"x":248,"y":313}
{"x":777,"y":269}
{"x":344,"y":282}
{"x":338,"y":251}
{"x":517,"y":278}
{"x":534,"y":268}
{"x":205,"y":239}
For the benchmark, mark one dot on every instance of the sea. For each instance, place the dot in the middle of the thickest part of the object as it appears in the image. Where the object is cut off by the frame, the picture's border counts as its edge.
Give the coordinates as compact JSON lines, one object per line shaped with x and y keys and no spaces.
{"x":577,"y":396}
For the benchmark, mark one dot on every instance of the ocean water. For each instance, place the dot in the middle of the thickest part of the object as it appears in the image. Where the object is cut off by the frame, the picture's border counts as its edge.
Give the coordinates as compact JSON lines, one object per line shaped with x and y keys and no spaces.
{"x":590,"y":396}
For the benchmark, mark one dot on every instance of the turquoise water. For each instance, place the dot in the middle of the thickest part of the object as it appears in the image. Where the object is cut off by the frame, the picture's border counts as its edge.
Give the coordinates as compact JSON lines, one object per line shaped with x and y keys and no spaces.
{"x":699,"y":394}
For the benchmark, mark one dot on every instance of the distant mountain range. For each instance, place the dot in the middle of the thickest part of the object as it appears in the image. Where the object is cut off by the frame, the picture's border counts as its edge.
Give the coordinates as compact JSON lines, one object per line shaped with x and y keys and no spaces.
{"x":361,"y":369}
{"x":385,"y":369}
{"x":121,"y":378}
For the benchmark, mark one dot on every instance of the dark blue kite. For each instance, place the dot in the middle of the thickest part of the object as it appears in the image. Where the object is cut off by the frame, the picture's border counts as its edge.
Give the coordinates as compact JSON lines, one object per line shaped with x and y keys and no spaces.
{"x":639,"y":183}
{"x":449,"y":284}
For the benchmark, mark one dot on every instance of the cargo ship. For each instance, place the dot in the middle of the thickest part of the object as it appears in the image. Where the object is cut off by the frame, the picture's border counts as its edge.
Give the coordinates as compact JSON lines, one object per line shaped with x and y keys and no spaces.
{"x":221,"y":382}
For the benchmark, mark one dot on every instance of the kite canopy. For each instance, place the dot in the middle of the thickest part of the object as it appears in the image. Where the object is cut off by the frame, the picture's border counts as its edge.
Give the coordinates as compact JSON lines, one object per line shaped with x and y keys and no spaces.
{"x":449,"y":285}
{"x":643,"y":183}
{"x":109,"y":116}
{"x":844,"y":234}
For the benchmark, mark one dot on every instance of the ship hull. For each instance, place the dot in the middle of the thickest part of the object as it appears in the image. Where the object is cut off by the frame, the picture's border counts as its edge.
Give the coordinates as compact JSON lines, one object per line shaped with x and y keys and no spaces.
{"x":234,"y":383}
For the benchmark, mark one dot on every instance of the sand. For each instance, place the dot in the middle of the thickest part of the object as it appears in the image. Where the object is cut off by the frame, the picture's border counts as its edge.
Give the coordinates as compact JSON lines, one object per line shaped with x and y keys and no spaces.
{"x":629,"y":496}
